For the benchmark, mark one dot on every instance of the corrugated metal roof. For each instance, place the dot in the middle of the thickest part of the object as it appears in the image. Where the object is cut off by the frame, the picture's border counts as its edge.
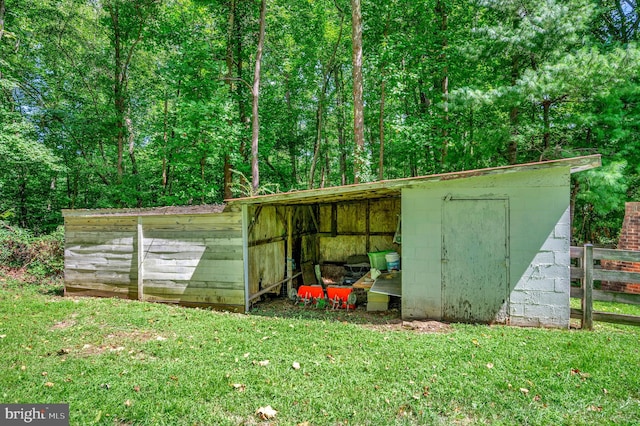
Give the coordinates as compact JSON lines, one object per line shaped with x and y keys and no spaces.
{"x":151,"y":211}
{"x":392,"y":188}
{"x":378,"y":189}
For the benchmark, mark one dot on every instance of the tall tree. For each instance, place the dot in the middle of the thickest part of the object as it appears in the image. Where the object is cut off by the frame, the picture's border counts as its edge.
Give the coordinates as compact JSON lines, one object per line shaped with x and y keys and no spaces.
{"x":358,"y":104}
{"x":255,"y":92}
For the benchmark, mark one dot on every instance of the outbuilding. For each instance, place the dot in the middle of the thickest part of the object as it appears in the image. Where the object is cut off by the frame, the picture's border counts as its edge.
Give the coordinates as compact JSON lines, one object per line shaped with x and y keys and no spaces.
{"x":489,"y":245}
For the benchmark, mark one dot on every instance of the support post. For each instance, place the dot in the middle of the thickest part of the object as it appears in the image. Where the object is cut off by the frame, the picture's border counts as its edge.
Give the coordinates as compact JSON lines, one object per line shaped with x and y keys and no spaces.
{"x":289,"y":247}
{"x":245,"y":254}
{"x":140,"y":265}
{"x":587,"y":287}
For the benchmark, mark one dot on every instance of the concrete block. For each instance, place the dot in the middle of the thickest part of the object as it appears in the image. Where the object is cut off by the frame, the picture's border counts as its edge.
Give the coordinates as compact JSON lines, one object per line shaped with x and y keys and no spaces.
{"x":550,"y":271}
{"x":562,"y":285}
{"x":520,"y":297}
{"x":562,"y":230}
{"x":537,"y":283}
{"x":545,"y":258}
{"x":556,"y":244}
{"x":538,"y":311}
{"x":562,"y":258}
{"x":516,"y":309}
{"x":551,"y":299}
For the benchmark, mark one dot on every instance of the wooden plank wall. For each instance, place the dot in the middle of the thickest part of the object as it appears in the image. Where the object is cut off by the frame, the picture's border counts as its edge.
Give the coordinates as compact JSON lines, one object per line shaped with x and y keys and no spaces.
{"x":356,"y":228}
{"x":100,"y":256}
{"x":267,"y":235}
{"x":188,"y":259}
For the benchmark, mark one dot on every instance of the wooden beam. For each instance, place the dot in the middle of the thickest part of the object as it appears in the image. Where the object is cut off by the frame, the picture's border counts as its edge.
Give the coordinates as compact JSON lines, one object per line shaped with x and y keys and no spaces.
{"x":272,"y":286}
{"x":587,"y":287}
{"x":368,"y":226}
{"x":245,"y":254}
{"x":140,"y":262}
{"x":608,"y":317}
{"x":616,"y":276}
{"x":609,"y":296}
{"x":289,"y":246}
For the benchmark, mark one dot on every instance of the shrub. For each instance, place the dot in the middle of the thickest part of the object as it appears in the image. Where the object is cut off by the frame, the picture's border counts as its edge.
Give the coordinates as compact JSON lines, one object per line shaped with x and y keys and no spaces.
{"x":40,"y":256}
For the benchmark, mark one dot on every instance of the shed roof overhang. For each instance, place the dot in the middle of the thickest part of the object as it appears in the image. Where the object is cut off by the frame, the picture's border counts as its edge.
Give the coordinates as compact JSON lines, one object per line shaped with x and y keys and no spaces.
{"x":392,"y":188}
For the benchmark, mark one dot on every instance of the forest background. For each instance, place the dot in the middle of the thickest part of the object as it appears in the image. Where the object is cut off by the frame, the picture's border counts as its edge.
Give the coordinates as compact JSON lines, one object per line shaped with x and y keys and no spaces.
{"x":141,"y":103}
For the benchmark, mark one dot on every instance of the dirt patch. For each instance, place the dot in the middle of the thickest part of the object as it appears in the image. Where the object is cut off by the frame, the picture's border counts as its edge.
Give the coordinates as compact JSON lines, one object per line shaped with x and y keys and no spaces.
{"x":380,"y":321}
{"x":64,"y":324}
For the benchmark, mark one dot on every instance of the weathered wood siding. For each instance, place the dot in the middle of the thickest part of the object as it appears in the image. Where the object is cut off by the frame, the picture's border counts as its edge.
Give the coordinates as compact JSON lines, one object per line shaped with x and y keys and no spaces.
{"x":188,"y":259}
{"x":100,"y":256}
{"x":356,"y":228}
{"x":267,"y":235}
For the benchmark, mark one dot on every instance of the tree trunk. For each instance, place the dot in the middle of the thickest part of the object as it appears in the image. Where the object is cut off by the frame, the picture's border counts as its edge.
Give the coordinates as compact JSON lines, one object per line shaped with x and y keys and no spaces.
{"x":228,"y":168}
{"x":358,"y":105}
{"x":165,"y":139}
{"x":341,"y":124}
{"x":255,"y":124}
{"x":381,"y":129}
{"x":118,"y":95}
{"x":318,"y":138}
{"x":546,"y":136}
{"x":2,"y":10}
{"x":441,"y":10}
{"x":512,"y":150}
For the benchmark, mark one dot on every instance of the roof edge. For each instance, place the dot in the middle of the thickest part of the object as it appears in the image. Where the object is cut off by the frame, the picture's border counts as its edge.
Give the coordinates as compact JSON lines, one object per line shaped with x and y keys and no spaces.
{"x":575,"y":165}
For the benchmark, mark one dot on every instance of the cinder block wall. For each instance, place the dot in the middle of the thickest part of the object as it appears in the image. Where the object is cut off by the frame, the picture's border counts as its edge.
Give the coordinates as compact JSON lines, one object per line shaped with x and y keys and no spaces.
{"x":539,"y":282}
{"x":629,"y":240}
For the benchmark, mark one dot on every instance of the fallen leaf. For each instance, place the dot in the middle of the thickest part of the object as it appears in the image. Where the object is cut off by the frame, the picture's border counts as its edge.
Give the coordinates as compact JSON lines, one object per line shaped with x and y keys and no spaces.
{"x":174,"y":378}
{"x":605,"y":391}
{"x":266,"y":337}
{"x":524,"y":390}
{"x":296,"y":365}
{"x":246,"y":355}
{"x":331,"y":358}
{"x":2,"y":336}
{"x":136,"y":388}
{"x":44,"y":373}
{"x":160,"y":338}
{"x":594,"y":408}
{"x":49,"y":384}
{"x":239,"y":387}
{"x":266,"y":413}
{"x":263,"y":363}
{"x":128,"y":403}
{"x":23,"y":367}
{"x":489,"y":365}
{"x":575,"y":371}
{"x":537,"y":398}
{"x":426,"y":391}
{"x":475,"y":342}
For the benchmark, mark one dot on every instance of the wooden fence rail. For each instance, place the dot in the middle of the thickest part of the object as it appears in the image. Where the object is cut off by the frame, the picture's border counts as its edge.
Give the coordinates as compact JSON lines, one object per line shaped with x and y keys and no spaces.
{"x":587,"y":273}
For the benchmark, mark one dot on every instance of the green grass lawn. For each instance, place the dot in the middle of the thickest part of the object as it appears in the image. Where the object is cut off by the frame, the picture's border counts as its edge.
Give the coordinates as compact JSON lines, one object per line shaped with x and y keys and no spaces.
{"x":123,"y":362}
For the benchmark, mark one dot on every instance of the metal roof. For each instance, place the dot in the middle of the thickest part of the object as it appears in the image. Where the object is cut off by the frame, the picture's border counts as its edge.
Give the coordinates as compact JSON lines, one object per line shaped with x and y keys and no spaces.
{"x":392,"y":188}
{"x":151,"y":211}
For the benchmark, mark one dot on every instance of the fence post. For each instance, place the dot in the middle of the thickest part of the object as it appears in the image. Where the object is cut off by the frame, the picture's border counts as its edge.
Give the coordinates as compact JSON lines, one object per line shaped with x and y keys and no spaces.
{"x":587,"y":288}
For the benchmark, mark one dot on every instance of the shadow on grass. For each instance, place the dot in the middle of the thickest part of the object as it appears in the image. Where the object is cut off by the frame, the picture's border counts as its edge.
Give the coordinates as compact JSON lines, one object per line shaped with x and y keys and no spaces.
{"x":284,"y":308}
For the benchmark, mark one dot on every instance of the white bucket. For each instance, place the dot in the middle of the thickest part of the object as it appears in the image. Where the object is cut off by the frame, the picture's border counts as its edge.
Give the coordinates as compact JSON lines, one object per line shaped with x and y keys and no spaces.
{"x":393,"y":261}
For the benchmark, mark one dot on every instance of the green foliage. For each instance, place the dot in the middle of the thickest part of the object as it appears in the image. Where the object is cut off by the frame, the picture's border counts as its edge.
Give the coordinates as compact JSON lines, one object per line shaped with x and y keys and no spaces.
{"x":447,"y":85}
{"x":39,"y":256}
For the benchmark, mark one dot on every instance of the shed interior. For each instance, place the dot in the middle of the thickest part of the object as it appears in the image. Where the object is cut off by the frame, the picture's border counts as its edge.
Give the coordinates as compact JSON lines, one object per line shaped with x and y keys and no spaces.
{"x":288,"y":239}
